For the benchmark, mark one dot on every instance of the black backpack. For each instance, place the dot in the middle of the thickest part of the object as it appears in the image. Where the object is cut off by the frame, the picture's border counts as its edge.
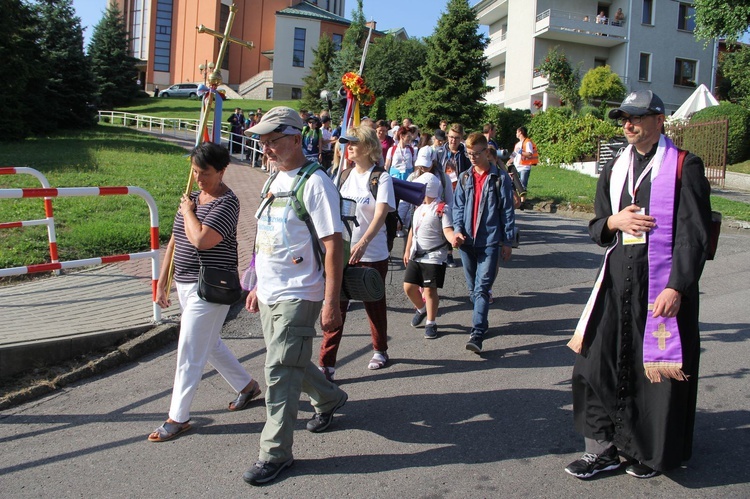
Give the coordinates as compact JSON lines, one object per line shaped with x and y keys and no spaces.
{"x":391,"y":220}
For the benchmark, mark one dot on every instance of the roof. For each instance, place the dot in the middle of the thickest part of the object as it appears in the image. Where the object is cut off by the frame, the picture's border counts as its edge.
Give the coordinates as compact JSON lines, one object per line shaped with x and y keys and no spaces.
{"x":310,"y":11}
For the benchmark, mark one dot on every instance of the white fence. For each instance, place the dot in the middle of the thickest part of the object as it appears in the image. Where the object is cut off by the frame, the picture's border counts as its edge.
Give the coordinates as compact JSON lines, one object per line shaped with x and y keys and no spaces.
{"x":249,"y":148}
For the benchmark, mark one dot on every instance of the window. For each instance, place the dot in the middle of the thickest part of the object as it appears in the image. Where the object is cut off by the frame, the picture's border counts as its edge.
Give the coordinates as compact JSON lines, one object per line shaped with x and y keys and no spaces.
{"x":269,"y":93}
{"x":648,"y":12}
{"x":685,"y":72}
{"x":296,"y":93}
{"x":337,"y":40}
{"x":163,"y":43}
{"x":598,"y":63}
{"x":644,"y":67}
{"x":686,"y":17}
{"x":298,"y":57}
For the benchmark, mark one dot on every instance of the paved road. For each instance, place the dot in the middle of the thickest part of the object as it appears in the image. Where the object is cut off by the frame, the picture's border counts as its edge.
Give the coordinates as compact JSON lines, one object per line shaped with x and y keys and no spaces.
{"x":437,"y":422}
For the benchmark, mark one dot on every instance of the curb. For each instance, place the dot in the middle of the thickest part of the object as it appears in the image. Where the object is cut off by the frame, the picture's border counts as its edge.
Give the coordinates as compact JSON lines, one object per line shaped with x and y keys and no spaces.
{"x":129,"y":351}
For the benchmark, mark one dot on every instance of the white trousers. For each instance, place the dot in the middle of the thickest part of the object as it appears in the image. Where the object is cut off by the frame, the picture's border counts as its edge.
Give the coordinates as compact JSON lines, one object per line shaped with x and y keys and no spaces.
{"x":200,"y":342}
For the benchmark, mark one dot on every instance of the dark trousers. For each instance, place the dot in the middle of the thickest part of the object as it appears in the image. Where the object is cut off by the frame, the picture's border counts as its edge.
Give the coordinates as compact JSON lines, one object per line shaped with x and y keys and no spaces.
{"x":376,"y":314}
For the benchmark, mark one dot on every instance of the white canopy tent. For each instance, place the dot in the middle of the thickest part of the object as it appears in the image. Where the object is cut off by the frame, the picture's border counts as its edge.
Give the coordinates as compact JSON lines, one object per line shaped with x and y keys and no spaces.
{"x":700,"y":99}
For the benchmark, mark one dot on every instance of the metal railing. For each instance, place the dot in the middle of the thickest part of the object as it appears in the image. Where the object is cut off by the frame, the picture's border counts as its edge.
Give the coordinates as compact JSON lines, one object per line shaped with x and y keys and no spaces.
{"x":181,"y":127}
{"x":50,"y":192}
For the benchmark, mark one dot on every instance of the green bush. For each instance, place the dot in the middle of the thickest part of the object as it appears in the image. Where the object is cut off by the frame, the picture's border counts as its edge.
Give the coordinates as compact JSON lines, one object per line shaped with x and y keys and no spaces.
{"x":592,"y":110}
{"x":561,"y":137}
{"x":506,"y":123}
{"x":738,"y":145}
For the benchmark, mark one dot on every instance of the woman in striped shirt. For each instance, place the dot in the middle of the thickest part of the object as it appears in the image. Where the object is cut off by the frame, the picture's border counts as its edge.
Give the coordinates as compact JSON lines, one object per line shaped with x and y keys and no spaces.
{"x":205,"y":232}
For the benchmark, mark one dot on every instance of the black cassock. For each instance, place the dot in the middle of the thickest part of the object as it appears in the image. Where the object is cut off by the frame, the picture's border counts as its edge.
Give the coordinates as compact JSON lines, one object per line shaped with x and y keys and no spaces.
{"x":612,"y":398}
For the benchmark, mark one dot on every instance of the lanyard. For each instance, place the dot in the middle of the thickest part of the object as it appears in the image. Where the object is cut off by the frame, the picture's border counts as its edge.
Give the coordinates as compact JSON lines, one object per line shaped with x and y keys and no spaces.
{"x":633,"y":189}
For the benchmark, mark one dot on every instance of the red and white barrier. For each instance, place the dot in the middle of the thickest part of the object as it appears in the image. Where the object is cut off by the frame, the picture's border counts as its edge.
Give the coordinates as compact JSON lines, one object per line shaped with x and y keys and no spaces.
{"x":49,"y":192}
{"x":49,"y":221}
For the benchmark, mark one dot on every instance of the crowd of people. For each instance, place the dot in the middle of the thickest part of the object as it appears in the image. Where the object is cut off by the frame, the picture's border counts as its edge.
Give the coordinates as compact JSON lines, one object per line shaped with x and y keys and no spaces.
{"x":633,"y":397}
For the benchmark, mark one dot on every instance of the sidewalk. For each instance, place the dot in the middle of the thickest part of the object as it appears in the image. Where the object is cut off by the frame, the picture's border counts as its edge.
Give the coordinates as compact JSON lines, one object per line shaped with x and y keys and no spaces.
{"x":54,"y":318}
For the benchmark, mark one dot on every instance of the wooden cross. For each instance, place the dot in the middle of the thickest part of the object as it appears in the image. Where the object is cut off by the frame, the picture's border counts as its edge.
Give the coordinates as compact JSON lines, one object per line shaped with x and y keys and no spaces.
{"x":662,"y":334}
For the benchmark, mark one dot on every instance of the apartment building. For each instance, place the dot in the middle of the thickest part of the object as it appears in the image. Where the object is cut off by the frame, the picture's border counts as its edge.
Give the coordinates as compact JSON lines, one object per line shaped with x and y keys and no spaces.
{"x":165,"y":40}
{"x":652,"y":48}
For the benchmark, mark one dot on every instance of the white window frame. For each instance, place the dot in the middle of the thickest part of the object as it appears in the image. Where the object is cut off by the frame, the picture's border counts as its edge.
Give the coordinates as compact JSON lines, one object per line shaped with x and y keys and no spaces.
{"x":650,"y":65}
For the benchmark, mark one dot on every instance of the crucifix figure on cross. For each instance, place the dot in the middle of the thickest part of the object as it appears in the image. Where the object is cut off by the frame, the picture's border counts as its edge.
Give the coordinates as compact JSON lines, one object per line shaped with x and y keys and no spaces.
{"x":661,"y":334}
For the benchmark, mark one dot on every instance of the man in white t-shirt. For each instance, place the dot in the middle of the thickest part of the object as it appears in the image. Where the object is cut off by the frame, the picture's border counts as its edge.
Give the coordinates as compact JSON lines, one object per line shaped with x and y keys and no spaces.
{"x":292,"y":289}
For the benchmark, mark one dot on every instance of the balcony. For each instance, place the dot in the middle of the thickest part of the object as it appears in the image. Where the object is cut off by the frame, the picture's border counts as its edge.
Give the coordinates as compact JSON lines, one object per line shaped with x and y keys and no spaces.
{"x":572,"y":27}
{"x":491,"y":11}
{"x":496,"y":50}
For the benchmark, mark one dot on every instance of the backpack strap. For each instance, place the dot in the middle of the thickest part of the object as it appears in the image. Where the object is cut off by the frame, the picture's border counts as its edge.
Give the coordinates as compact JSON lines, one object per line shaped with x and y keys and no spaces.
{"x":296,"y":199}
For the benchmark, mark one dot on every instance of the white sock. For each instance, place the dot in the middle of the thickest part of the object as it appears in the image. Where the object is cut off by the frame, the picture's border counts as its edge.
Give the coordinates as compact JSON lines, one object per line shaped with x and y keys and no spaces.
{"x":430,"y":323}
{"x":422,"y":310}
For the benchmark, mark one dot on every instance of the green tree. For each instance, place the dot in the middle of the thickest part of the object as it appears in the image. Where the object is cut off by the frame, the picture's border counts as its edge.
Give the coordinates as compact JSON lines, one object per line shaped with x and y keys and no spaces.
{"x":393,"y":65}
{"x":113,"y":66}
{"x":69,"y":86}
{"x":563,"y":78}
{"x":22,"y":108}
{"x":721,"y":18}
{"x":320,"y":71}
{"x":603,"y":85}
{"x":452,"y":84}
{"x":735,"y":69}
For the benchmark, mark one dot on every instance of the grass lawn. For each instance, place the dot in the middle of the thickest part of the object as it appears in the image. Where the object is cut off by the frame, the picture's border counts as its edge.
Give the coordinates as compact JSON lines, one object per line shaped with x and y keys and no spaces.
{"x":90,"y":226}
{"x":743,"y":167}
{"x":191,"y":109}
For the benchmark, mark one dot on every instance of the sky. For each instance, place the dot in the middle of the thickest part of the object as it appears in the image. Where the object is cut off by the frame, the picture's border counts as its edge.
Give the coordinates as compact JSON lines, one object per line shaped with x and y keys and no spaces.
{"x":417,"y":17}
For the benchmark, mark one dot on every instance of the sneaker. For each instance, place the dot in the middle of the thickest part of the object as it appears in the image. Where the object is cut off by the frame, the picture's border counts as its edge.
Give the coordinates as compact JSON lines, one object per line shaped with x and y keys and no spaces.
{"x":418,"y":318}
{"x":451,"y":262}
{"x":322,"y":420}
{"x":263,"y":471}
{"x":328,"y":372}
{"x":591,"y":464}
{"x":430,"y":331}
{"x":640,"y":470}
{"x":400,"y":233}
{"x":474,"y":344}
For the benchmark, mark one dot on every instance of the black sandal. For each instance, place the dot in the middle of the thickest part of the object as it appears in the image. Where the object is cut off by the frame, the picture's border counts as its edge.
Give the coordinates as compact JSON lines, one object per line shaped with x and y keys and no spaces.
{"x":243,"y":399}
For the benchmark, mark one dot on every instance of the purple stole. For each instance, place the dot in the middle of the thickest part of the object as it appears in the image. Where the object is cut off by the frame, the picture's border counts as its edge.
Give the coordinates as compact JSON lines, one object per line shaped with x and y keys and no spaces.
{"x":662,"y":349}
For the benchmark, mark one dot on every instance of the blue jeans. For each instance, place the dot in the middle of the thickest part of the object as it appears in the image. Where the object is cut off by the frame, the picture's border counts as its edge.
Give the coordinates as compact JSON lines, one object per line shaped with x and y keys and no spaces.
{"x":480,"y":267}
{"x":523,"y":176}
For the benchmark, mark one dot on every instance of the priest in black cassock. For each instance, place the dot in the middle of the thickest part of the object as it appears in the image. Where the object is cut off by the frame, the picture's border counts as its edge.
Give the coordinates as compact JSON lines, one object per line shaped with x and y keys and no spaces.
{"x":635,"y":379}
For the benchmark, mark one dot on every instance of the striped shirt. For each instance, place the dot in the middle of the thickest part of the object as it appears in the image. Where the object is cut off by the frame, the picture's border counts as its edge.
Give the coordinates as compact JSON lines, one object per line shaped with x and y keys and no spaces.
{"x":221,"y":215}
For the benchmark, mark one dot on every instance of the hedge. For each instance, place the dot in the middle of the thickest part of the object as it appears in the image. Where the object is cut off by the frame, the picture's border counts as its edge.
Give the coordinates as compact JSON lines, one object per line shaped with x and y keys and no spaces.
{"x":738,"y":144}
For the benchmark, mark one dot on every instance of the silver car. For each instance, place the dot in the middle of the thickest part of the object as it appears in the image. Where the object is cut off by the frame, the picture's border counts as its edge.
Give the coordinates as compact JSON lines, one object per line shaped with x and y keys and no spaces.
{"x":180,"y":90}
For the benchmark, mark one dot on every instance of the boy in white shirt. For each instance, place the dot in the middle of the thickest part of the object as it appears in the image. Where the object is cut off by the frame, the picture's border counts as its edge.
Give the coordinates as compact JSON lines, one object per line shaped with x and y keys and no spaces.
{"x":426,"y":253}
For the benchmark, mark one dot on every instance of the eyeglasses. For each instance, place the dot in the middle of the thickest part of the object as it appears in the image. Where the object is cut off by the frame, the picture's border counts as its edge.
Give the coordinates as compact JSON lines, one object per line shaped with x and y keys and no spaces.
{"x":270,"y":143}
{"x":634,"y":120}
{"x":454,"y":137}
{"x":473,"y":154}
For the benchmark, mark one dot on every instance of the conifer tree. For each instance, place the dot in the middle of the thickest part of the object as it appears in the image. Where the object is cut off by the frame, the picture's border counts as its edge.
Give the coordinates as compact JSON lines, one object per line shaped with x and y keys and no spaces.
{"x":319,"y":73}
{"x":22,"y":109}
{"x":113,"y":67}
{"x":69,"y":86}
{"x":453,"y":78}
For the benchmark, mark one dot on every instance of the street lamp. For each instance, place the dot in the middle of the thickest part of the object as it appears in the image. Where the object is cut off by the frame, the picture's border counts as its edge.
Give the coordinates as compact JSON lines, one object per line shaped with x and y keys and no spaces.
{"x":205,"y":69}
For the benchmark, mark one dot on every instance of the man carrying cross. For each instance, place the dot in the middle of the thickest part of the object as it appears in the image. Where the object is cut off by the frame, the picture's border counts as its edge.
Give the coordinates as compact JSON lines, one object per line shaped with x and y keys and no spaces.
{"x":635,"y":379}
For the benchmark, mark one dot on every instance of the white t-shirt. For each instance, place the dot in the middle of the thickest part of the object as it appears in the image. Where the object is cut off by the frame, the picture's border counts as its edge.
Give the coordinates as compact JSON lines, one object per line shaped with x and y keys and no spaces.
{"x":327,"y":134}
{"x":517,"y":154}
{"x":281,"y":236}
{"x":427,"y":230}
{"x":402,"y":158}
{"x":357,"y":188}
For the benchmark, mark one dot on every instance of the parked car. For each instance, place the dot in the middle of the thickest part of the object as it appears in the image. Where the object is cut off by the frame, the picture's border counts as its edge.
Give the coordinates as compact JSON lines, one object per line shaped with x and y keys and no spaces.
{"x":180,"y":90}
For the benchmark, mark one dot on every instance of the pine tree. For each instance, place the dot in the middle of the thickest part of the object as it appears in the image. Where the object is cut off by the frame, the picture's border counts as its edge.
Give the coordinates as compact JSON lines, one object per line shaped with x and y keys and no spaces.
{"x":113,"y":67}
{"x":453,"y":78}
{"x":70,"y":85}
{"x":319,"y":73}
{"x":22,"y":110}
